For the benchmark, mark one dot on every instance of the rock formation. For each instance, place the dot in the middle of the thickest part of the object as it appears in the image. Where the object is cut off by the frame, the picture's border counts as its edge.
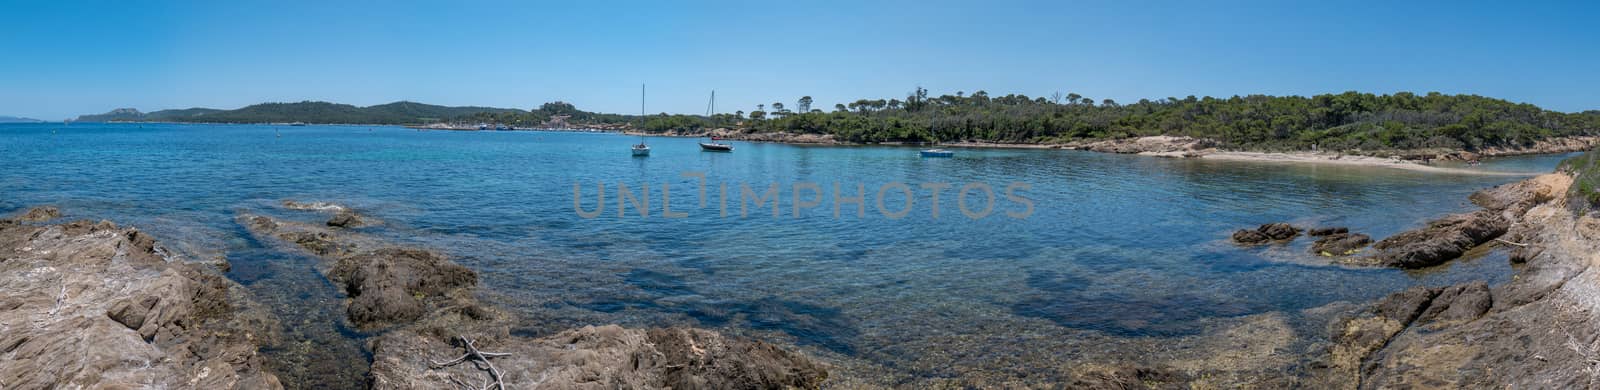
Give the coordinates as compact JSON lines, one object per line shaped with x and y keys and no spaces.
{"x":91,"y":305}
{"x":39,"y":214}
{"x":1266,"y":233}
{"x":424,"y":308}
{"x":1536,"y":331}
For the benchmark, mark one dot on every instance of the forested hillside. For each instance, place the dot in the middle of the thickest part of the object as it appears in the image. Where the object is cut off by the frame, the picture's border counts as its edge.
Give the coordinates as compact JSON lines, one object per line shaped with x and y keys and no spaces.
{"x":1349,"y":120}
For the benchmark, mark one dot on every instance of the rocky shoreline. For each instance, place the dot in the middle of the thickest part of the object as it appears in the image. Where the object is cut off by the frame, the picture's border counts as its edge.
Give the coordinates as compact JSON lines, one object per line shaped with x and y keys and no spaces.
{"x":96,"y":305}
{"x":1190,"y":147}
{"x":424,"y":310}
{"x":1536,"y":331}
{"x":93,"y":305}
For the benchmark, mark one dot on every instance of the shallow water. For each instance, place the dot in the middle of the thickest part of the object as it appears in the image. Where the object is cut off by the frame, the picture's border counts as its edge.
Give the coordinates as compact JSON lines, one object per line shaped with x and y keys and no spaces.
{"x":1116,"y":246}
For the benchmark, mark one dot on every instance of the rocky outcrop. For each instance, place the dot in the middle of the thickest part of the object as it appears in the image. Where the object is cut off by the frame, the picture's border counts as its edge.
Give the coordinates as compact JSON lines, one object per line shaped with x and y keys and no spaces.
{"x":1515,"y":199}
{"x":1449,"y":237}
{"x":1545,"y":146}
{"x":398,"y":285}
{"x":1327,"y":231}
{"x":1265,"y":234}
{"x":346,"y":219}
{"x":1340,"y":244}
{"x":1162,"y":145}
{"x":603,"y":357}
{"x":39,"y":214}
{"x":422,"y":304}
{"x":386,"y":284}
{"x":1130,"y":377}
{"x":1442,"y":240}
{"x":91,"y":305}
{"x":1536,"y":331}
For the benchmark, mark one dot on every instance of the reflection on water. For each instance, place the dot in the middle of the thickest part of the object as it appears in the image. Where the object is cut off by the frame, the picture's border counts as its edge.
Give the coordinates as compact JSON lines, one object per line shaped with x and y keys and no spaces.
{"x":1118,"y":247}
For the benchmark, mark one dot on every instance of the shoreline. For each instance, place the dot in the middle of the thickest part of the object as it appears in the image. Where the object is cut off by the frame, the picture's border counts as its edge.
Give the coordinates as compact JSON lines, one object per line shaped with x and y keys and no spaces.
{"x":1204,"y":149}
{"x":417,"y":303}
{"x":1346,"y":160}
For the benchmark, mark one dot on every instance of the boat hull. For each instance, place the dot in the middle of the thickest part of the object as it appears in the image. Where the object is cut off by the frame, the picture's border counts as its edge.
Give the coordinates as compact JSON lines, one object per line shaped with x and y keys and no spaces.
{"x":715,"y":147}
{"x":641,"y":152}
{"x":938,"y":153}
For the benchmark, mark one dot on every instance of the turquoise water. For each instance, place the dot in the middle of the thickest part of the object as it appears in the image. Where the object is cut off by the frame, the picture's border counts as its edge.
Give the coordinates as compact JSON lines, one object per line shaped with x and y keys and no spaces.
{"x":1116,"y":246}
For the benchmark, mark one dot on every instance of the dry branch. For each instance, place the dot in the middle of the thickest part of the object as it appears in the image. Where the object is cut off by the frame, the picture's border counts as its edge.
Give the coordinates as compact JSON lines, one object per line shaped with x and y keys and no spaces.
{"x":473,"y":354}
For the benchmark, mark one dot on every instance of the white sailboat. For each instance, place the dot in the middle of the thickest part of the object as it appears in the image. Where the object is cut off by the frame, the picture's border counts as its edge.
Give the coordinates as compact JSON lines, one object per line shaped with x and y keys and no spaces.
{"x":641,"y":150}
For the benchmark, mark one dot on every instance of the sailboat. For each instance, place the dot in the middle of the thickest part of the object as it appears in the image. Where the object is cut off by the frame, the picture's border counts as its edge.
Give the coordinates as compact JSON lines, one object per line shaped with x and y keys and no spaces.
{"x":714,"y":145}
{"x":641,"y":150}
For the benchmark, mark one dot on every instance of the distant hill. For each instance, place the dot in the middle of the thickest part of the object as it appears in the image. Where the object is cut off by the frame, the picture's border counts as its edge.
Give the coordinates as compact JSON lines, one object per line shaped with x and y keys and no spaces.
{"x":12,"y":119}
{"x":120,"y":114}
{"x":307,"y":111}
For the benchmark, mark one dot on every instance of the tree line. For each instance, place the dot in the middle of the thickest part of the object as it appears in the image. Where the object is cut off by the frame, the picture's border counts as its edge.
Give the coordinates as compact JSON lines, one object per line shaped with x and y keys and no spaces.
{"x":1345,"y":121}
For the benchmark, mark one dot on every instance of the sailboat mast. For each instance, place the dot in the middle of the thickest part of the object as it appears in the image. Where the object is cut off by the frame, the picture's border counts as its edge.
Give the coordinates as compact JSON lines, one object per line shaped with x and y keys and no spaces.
{"x":711,"y":107}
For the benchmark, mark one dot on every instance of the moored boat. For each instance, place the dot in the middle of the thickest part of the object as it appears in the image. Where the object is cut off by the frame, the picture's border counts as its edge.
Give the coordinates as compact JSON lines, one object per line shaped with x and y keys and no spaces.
{"x":641,"y":150}
{"x":715,"y":146}
{"x":938,"y":153}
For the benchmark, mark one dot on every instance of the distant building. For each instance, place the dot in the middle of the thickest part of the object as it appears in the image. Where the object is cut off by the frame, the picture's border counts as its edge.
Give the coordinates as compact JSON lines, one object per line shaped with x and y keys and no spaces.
{"x":557,"y":122}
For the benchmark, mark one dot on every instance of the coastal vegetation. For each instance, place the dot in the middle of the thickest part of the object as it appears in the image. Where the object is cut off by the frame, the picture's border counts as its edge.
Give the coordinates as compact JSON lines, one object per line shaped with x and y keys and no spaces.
{"x":1584,"y":195}
{"x":1345,"y":121}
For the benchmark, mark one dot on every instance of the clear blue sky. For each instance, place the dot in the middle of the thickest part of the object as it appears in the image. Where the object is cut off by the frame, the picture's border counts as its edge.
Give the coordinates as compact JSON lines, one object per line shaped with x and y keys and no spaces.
{"x":59,"y":59}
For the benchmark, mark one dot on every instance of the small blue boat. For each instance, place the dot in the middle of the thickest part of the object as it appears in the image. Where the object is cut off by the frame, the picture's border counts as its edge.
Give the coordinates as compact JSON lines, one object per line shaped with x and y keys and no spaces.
{"x":938,"y":153}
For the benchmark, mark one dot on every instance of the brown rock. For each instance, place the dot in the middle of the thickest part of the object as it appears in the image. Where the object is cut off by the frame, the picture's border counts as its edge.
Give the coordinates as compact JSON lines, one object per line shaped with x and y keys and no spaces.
{"x":40,"y":214}
{"x":345,"y":219}
{"x":1340,"y":244}
{"x":1458,"y":303}
{"x":1319,"y":232}
{"x":393,"y":285}
{"x":1442,"y":240}
{"x":605,"y":357}
{"x":1250,"y":237}
{"x":92,"y":306}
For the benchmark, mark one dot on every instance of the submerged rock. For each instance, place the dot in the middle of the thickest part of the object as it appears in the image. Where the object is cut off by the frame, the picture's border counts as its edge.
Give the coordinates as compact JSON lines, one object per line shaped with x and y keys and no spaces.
{"x":606,"y":357}
{"x":40,"y":214}
{"x":1340,"y":244}
{"x":396,"y":285}
{"x":90,"y":305}
{"x":346,"y":219}
{"x":425,"y":303}
{"x":1130,"y":377}
{"x":1319,"y":232}
{"x":1266,"y":233}
{"x":387,"y":285}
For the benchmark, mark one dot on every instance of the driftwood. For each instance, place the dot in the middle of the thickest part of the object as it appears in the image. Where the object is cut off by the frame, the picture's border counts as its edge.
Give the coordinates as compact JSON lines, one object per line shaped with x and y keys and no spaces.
{"x":1511,"y":243}
{"x":496,"y":381}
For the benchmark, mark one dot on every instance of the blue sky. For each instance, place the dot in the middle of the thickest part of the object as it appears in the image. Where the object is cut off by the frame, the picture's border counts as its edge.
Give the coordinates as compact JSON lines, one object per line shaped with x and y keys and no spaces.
{"x":61,"y":59}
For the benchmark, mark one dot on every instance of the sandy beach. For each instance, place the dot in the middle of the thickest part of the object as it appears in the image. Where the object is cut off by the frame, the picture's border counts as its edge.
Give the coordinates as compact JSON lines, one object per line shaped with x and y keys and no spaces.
{"x":1348,"y":160}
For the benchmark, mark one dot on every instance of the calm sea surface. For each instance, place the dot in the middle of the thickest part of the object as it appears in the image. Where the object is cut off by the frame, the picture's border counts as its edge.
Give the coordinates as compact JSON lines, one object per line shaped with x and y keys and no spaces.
{"x":1116,"y":247}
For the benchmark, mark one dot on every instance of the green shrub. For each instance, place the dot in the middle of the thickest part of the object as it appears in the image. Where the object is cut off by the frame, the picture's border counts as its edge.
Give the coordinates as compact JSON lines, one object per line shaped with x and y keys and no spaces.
{"x":1585,"y":192}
